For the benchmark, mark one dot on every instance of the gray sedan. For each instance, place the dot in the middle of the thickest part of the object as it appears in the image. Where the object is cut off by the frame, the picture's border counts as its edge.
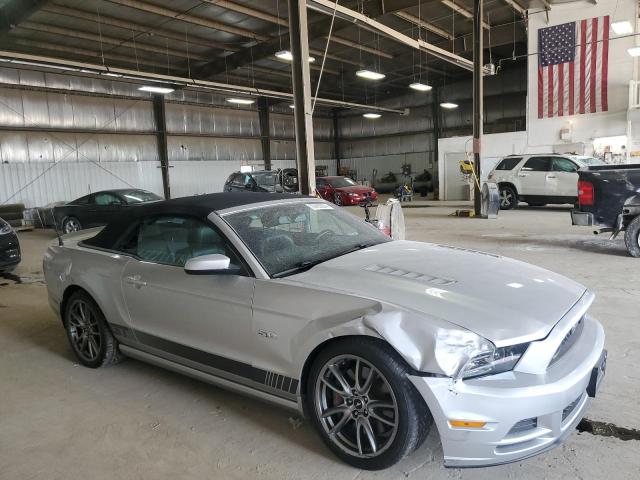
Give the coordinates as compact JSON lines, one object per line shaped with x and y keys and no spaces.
{"x":295,"y":301}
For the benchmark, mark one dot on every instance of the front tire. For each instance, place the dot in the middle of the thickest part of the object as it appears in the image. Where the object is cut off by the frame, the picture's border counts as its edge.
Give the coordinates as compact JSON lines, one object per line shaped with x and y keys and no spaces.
{"x":337,"y":199}
{"x":508,"y":197}
{"x":632,"y":237}
{"x":88,"y":333}
{"x":71,"y":224}
{"x":364,"y":406}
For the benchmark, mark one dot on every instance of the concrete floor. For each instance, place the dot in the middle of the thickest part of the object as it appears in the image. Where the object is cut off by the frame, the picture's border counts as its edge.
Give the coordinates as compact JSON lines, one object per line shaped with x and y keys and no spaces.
{"x":59,"y":420}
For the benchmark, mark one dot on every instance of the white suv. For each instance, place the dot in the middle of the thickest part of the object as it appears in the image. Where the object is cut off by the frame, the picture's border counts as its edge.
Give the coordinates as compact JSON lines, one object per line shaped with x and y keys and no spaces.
{"x":539,"y":179}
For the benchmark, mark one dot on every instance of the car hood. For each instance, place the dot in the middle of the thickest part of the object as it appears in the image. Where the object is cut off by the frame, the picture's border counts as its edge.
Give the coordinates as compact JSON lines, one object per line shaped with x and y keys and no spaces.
{"x":355,"y":189}
{"x":504,"y":300}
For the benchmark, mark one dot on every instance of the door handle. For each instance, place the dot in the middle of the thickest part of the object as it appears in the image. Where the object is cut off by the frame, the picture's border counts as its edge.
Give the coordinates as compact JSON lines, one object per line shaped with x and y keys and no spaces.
{"x":135,"y":281}
{"x":551,"y":176}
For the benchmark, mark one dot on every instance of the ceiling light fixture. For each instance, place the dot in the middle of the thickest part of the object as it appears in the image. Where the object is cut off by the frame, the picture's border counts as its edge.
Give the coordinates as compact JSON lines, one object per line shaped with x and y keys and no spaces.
{"x":288,"y":56}
{"x":449,"y":105}
{"x":241,"y":101}
{"x":292,"y":106}
{"x":149,"y":88}
{"x":370,"y":75}
{"x":421,"y":87}
{"x":622,"y":28}
{"x":371,"y":115}
{"x":634,"y":51}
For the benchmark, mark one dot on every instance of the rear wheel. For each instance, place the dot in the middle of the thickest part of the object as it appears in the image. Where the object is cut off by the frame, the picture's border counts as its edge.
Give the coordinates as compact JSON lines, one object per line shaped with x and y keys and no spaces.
{"x":632,"y":237}
{"x":363,"y":405}
{"x":91,"y":340}
{"x":508,"y":197}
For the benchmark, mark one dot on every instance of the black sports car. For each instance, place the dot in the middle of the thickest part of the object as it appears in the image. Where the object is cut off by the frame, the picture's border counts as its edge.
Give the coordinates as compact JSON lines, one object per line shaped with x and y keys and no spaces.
{"x":9,"y":248}
{"x":98,"y":208}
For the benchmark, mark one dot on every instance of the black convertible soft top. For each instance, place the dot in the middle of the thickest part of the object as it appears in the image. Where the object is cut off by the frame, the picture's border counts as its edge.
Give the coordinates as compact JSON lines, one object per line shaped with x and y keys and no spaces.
{"x":199,"y":206}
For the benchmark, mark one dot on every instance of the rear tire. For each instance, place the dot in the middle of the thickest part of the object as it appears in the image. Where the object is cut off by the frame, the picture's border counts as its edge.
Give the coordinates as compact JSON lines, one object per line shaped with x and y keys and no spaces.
{"x":91,"y":340}
{"x":632,"y":237}
{"x":508,"y":197}
{"x":372,"y":422}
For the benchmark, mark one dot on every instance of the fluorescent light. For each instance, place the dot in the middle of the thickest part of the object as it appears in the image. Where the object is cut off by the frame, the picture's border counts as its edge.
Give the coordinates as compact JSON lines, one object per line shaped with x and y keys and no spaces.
{"x":370,"y":75}
{"x":371,"y":115}
{"x":241,"y":101}
{"x":288,"y":56}
{"x":148,"y":88}
{"x":421,"y":87}
{"x":449,"y":105}
{"x":634,"y":51}
{"x":292,"y":106}
{"x":622,"y":28}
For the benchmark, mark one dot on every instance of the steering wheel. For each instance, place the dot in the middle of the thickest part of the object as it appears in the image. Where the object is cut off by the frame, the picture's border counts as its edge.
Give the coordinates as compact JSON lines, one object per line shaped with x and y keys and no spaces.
{"x":325,"y":235}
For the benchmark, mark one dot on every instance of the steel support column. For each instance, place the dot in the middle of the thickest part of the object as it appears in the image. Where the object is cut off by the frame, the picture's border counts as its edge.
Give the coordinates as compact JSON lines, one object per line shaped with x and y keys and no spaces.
{"x":477,"y":97}
{"x":298,"y":32}
{"x":336,"y":141}
{"x":265,"y":136}
{"x":163,"y":151}
{"x":435,"y":120}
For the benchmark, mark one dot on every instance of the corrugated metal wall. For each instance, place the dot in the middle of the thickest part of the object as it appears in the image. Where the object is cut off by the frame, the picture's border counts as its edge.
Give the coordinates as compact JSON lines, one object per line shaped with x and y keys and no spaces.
{"x":57,"y":144}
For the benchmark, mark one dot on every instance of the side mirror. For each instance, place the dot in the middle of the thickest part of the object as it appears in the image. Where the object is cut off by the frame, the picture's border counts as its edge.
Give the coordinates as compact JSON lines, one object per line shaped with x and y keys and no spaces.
{"x":207,"y":264}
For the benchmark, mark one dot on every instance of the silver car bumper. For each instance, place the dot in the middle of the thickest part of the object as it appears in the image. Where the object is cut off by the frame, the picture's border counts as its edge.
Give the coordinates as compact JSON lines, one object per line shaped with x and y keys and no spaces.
{"x":525,"y":414}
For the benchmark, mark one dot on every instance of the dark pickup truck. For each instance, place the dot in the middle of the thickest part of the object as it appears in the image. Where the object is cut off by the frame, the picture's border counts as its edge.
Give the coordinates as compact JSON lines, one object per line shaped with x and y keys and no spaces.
{"x":609,"y":197}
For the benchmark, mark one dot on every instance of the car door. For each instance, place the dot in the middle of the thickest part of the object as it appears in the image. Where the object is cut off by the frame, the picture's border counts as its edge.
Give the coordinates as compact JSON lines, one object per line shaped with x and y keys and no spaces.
{"x":533,"y":176}
{"x":189,"y":316}
{"x":104,"y":207}
{"x":563,"y":178}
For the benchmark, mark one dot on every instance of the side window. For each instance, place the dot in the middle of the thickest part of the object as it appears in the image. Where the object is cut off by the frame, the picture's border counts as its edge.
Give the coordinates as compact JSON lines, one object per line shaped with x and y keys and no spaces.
{"x":237,"y":180}
{"x":508,"y":163}
{"x":564,"y":165}
{"x":172,"y":240}
{"x":106,"y":199}
{"x":537,"y":164}
{"x":83,"y":201}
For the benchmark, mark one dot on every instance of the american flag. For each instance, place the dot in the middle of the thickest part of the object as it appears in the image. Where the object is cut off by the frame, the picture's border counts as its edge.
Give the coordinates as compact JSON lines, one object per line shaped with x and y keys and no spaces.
{"x":573,"y":63}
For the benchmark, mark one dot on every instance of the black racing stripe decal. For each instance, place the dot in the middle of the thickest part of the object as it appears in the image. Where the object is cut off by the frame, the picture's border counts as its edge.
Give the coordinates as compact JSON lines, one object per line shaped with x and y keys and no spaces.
{"x":241,"y":369}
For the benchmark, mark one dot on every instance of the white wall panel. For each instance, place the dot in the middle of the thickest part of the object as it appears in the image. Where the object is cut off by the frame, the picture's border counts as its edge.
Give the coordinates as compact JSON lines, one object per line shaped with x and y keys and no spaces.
{"x":40,"y":183}
{"x":197,"y":178}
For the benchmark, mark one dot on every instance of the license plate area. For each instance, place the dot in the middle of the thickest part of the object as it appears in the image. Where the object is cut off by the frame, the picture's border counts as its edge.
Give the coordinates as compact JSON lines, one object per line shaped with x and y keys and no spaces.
{"x":597,"y":374}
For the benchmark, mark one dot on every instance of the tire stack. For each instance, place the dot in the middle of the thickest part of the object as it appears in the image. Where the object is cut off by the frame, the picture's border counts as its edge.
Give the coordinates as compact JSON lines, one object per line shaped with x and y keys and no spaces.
{"x":13,"y":214}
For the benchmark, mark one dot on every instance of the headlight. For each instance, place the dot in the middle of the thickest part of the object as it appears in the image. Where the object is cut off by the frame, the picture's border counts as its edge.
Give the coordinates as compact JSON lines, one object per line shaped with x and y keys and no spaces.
{"x":491,"y":363}
{"x":352,"y":194}
{"x":463,"y":354}
{"x":5,"y":227}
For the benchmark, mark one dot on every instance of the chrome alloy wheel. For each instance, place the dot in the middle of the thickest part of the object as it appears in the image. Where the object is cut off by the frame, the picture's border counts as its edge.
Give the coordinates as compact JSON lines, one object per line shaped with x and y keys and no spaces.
{"x":337,"y":199}
{"x":506,"y":198}
{"x":356,"y":406}
{"x":71,"y":225}
{"x":84,"y":331}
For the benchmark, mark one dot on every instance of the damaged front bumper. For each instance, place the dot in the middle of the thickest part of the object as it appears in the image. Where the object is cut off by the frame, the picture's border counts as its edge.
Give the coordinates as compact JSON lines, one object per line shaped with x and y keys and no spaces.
{"x":525,"y":413}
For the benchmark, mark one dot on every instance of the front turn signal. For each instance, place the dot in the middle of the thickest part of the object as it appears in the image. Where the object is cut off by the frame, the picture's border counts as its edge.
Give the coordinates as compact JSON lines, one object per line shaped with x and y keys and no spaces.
{"x":466,"y":424}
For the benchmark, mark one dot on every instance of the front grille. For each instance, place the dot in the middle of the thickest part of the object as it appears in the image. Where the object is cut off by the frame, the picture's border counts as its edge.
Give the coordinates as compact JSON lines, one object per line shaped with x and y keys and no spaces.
{"x":568,"y":341}
{"x":524,"y":425}
{"x":570,"y":408}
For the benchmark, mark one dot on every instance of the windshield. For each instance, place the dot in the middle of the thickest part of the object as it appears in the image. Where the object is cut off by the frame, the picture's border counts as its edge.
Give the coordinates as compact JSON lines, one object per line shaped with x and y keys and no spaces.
{"x":139,"y":196}
{"x":294,"y":236}
{"x":342,"y":182}
{"x":266,"y":179}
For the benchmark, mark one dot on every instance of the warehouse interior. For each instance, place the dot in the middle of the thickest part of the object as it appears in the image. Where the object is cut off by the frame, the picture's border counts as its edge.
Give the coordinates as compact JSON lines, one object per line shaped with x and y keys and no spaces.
{"x":174,"y":98}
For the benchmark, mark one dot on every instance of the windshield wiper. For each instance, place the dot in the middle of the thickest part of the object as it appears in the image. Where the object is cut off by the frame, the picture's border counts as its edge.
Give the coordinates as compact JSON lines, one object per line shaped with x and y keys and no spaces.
{"x":301,"y":267}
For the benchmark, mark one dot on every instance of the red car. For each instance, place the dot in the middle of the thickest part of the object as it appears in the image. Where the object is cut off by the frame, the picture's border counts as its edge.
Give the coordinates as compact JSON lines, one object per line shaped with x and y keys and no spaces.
{"x":344,"y":191}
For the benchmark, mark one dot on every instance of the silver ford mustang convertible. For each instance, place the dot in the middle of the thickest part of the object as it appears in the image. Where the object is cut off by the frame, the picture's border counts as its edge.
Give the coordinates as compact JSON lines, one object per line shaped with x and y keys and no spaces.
{"x":295,"y":301}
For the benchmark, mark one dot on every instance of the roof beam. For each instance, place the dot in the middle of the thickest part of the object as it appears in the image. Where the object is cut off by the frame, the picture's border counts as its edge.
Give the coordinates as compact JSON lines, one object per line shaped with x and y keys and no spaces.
{"x":135,"y":27}
{"x":14,"y":12}
{"x":516,"y":7}
{"x":364,"y":48}
{"x":251,"y":12}
{"x":327,"y":6}
{"x":102,"y":39}
{"x":423,"y":24}
{"x":463,"y":11}
{"x":186,"y":17}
